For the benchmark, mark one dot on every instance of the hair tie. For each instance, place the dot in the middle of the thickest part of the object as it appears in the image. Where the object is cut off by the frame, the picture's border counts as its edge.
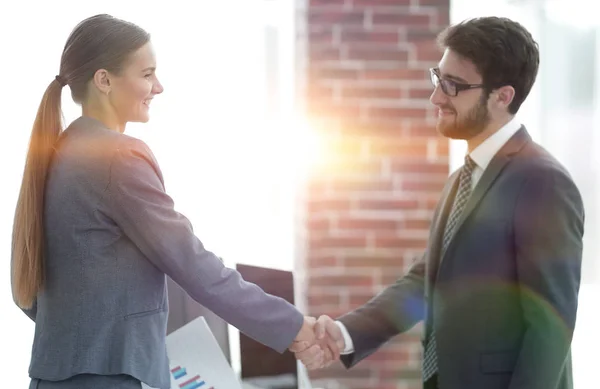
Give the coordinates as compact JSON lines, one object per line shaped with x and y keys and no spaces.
{"x":61,"y":80}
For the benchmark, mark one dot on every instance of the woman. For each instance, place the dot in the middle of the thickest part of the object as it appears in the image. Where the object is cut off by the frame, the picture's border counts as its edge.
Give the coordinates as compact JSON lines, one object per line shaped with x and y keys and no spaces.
{"x":95,"y":233}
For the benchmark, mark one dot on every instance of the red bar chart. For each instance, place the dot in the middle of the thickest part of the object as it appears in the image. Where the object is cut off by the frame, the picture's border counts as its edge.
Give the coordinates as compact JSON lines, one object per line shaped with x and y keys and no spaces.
{"x":188,"y":381}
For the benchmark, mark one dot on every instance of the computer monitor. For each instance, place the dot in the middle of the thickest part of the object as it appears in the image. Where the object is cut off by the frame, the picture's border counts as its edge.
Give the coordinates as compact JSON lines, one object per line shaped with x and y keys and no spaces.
{"x":260,"y":364}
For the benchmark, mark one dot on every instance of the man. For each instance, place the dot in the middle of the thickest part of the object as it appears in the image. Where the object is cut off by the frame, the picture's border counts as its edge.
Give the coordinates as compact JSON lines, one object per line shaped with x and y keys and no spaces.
{"x":498,"y":284}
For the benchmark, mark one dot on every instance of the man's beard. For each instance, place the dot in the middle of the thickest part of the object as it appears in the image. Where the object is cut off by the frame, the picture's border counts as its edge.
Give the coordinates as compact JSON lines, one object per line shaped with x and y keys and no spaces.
{"x":466,"y":128}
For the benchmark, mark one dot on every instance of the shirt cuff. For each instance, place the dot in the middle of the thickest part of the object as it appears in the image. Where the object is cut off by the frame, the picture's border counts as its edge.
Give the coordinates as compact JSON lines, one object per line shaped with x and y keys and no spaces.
{"x":349,"y":349}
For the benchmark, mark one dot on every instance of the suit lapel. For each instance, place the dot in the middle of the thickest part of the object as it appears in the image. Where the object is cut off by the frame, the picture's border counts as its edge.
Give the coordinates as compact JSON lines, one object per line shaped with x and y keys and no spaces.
{"x":435,"y":241}
{"x":490,"y":175}
{"x":439,"y":224}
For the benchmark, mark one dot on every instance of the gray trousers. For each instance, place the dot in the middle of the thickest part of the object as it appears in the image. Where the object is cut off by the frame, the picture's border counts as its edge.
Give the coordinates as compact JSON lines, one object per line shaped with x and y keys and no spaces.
{"x":89,"y":381}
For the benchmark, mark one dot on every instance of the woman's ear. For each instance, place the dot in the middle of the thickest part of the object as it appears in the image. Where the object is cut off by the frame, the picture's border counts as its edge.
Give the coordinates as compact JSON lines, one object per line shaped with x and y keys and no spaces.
{"x":101,"y":81}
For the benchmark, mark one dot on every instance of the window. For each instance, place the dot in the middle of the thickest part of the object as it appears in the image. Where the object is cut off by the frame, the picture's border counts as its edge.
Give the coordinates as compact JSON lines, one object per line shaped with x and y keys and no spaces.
{"x":225,"y":147}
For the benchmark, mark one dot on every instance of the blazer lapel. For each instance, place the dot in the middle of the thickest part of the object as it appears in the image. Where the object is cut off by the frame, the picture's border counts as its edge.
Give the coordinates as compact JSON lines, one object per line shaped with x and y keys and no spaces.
{"x":435,"y":243}
{"x":490,"y":175}
{"x":439,"y":224}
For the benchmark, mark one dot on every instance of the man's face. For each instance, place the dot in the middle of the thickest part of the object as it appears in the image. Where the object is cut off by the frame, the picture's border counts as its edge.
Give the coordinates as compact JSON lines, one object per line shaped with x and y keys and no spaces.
{"x":465,"y":115}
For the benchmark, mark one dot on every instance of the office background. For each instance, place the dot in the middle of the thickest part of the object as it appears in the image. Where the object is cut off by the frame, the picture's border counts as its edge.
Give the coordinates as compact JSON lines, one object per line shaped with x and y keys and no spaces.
{"x":315,"y":145}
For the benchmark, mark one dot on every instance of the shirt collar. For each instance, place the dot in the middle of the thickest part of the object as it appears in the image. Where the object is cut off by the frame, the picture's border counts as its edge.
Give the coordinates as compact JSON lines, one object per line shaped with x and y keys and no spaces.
{"x":485,"y":152}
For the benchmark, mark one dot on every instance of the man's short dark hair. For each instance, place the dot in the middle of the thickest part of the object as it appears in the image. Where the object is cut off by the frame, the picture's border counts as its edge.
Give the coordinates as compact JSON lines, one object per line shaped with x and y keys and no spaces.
{"x":503,"y":52}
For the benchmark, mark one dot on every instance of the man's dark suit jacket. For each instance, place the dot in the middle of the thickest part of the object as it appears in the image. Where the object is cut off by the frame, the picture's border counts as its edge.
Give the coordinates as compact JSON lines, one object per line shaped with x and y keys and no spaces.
{"x":502,"y":299}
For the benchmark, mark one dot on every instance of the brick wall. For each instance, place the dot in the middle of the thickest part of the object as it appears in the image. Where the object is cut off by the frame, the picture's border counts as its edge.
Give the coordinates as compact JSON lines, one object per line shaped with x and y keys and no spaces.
{"x":369,"y":205}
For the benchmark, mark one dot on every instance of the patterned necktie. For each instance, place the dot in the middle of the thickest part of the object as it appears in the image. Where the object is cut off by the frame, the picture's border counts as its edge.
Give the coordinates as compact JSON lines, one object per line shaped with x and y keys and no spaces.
{"x":460,"y":200}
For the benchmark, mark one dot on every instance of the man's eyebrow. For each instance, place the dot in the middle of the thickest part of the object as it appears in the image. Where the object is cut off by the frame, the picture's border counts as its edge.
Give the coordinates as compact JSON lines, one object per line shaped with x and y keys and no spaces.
{"x":454,"y":78}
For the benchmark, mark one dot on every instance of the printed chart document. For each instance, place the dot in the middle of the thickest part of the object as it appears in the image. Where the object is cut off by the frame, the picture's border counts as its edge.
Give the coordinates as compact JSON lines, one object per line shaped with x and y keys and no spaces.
{"x":196,"y":360}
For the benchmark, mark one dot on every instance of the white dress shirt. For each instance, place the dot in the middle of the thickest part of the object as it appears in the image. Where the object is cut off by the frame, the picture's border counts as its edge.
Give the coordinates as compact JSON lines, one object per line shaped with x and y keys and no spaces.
{"x":485,"y":152}
{"x":482,"y":156}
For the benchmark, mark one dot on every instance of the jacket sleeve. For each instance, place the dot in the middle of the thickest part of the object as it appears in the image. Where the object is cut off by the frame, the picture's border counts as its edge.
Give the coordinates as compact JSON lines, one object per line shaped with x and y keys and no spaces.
{"x":396,"y":309}
{"x":549,"y":220}
{"x":138,"y":203}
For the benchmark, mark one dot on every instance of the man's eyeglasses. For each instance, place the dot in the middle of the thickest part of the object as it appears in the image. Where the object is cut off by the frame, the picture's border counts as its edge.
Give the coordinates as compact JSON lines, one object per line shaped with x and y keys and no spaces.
{"x":449,"y":87}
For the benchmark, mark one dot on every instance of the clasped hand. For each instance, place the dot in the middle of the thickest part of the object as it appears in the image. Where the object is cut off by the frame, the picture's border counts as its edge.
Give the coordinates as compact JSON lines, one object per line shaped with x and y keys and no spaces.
{"x":319,"y":342}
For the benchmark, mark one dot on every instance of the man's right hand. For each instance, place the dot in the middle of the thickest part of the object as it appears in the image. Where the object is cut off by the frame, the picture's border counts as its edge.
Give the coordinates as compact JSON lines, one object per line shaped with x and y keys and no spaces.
{"x":331,"y":341}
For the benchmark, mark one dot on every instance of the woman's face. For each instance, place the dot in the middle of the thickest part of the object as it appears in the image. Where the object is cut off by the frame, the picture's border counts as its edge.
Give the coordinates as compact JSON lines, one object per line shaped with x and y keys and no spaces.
{"x":133,"y":89}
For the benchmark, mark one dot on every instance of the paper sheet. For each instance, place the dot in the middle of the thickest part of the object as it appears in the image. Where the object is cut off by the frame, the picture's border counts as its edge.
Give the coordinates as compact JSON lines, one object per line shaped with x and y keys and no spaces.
{"x":196,"y":360}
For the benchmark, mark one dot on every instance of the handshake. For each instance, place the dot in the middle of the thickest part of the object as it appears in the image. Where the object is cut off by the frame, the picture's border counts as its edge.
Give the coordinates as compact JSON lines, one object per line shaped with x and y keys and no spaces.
{"x":319,"y":342}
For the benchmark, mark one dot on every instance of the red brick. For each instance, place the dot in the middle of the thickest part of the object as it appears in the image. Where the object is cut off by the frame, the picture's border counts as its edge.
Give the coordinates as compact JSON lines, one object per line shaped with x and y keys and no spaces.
{"x":442,"y":4}
{"x":399,"y":74}
{"x":337,"y":370}
{"x":366,"y":185}
{"x":321,"y":36}
{"x":323,"y":299}
{"x":316,"y":3}
{"x":344,"y":382}
{"x":328,"y":242}
{"x":318,"y":72}
{"x":387,"y":204}
{"x":423,"y":130}
{"x":400,"y":19}
{"x":417,"y":224}
{"x":420,"y":185}
{"x":369,"y":36}
{"x":391,"y":241}
{"x":422,"y":166}
{"x":392,"y":372}
{"x":315,"y":206}
{"x":379,"y":60}
{"x":431,"y":202}
{"x":324,"y":52}
{"x":370,"y":130}
{"x":385,"y":355}
{"x":390,"y":277}
{"x":348,"y":223}
{"x":356,"y":300}
{"x":406,"y":147}
{"x":329,"y":311}
{"x":441,"y":18}
{"x":396,"y":113}
{"x":322,"y":262}
{"x":352,"y":92}
{"x":377,"y":53}
{"x":328,"y":17}
{"x":341,"y":280}
{"x":427,"y":51}
{"x":318,"y":223}
{"x":420,"y":93}
{"x":374,"y":3}
{"x":392,"y":260}
{"x":320,"y":92}
{"x":442,"y":147}
{"x":393,"y":384}
{"x":422,"y":35}
{"x":317,"y":188}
